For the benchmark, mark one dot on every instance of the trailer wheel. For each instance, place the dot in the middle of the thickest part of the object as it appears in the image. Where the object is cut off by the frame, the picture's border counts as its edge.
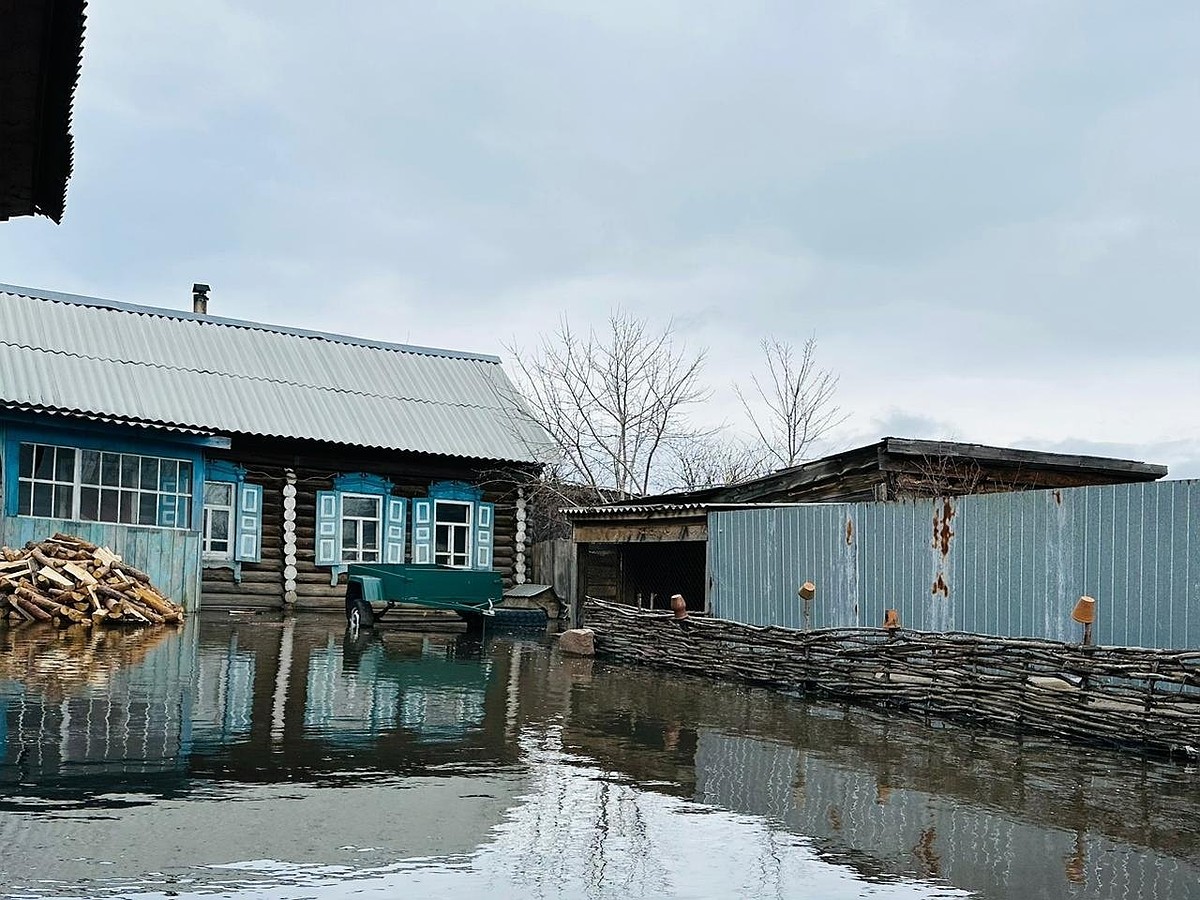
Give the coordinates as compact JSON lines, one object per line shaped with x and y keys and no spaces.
{"x":359,"y":616}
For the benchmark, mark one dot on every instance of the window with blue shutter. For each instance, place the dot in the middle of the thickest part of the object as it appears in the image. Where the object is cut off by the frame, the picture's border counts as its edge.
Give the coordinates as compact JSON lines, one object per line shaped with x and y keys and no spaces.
{"x":249,"y":523}
{"x":453,"y":527}
{"x":422,"y":531}
{"x":393,"y":530}
{"x":359,"y":521}
{"x":328,"y":549}
{"x":484,"y":529}
{"x":231,"y":518}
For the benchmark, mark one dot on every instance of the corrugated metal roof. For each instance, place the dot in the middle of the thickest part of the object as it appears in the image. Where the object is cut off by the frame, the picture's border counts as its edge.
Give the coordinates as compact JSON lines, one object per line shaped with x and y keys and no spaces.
{"x":179,"y":369}
{"x":632,"y":510}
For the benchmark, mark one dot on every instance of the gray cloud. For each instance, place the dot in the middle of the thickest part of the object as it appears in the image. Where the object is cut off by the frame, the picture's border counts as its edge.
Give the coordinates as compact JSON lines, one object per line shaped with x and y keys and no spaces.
{"x":989,"y":214}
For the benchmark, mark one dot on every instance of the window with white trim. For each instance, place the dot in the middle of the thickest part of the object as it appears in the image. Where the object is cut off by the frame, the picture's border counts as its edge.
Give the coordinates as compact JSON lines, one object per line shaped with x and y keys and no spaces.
{"x":98,"y":486}
{"x":362,"y":521}
{"x":452,"y":533}
{"x":217,"y":527}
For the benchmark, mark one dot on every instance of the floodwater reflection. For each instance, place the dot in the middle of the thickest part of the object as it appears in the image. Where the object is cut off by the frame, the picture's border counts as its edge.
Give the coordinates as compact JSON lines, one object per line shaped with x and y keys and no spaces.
{"x":282,"y":759}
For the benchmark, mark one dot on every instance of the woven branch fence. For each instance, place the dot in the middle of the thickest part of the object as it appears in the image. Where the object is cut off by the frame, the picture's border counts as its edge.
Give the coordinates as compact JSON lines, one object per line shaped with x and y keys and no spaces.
{"x":1119,"y":696}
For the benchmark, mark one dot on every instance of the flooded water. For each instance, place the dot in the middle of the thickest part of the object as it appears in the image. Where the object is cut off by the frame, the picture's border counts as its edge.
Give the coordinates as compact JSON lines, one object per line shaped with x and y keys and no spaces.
{"x":263,"y":759}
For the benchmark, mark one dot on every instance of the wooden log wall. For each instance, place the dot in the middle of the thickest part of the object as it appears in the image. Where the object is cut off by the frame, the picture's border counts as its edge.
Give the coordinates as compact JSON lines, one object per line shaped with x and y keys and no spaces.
{"x":1118,"y":696}
{"x":315,"y":467}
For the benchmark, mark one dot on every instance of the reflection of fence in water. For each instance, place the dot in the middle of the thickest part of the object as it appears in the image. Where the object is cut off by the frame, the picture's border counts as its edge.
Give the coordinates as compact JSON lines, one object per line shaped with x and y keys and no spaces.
{"x":1115,"y":695}
{"x":888,"y":829}
{"x":115,"y":701}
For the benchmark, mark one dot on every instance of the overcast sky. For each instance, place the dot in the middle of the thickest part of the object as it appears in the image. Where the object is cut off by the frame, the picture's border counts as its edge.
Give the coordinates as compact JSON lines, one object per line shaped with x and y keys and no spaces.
{"x":988,"y":214}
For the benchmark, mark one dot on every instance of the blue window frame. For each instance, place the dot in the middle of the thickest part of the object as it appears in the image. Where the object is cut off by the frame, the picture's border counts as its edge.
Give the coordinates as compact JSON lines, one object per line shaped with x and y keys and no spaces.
{"x":231,"y":520}
{"x":359,"y":521}
{"x":58,"y":481}
{"x":453,"y":527}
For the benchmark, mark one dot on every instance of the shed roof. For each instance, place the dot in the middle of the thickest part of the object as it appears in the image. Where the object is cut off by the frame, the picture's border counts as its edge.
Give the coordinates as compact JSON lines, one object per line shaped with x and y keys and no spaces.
{"x":831,"y":477}
{"x":91,"y":357}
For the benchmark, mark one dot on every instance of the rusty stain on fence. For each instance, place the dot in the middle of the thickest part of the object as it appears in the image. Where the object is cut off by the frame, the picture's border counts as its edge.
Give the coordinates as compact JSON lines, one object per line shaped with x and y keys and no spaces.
{"x":942,"y":532}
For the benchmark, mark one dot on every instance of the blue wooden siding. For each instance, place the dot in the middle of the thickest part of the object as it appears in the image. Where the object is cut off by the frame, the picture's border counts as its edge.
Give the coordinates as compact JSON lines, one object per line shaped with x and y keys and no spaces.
{"x":1004,"y":564}
{"x":170,"y":557}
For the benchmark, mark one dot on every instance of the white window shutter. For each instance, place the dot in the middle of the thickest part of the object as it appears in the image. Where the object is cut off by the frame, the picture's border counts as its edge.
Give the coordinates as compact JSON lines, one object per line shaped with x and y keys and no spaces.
{"x":393,"y":529}
{"x":249,"y":523}
{"x":422,"y":531}
{"x":484,"y":529}
{"x":329,"y":544}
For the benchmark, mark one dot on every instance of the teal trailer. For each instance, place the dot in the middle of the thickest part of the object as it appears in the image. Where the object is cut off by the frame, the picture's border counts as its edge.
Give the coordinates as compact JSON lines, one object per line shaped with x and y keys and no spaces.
{"x":373,"y":589}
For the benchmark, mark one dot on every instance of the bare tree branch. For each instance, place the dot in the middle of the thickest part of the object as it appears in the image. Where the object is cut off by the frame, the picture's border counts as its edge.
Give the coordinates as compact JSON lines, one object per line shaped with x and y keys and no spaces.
{"x":611,"y":402}
{"x":791,"y":406}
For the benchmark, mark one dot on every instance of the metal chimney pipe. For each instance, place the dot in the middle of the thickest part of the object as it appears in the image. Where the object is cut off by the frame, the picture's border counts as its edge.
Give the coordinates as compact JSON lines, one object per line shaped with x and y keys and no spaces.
{"x":200,"y":299}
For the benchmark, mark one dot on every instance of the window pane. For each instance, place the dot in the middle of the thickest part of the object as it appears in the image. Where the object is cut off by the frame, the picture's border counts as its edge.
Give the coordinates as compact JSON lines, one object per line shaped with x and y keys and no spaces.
{"x":370,"y":556}
{"x":109,"y":505}
{"x":25,"y":497}
{"x":217,"y":493}
{"x":183,"y":513}
{"x":129,"y":471}
{"x":89,"y":467}
{"x":220,"y":524}
{"x":26,"y":466}
{"x":43,"y":500}
{"x":110,"y":471}
{"x":43,"y":462}
{"x":64,"y":467}
{"x":64,"y":501}
{"x":185,"y":475}
{"x":148,"y":509}
{"x":460,"y":540}
{"x":218,"y":546}
{"x":168,"y":475}
{"x":129,"y":507}
{"x":370,"y":532}
{"x":360,"y":506}
{"x":89,"y":504}
{"x":443,"y":538}
{"x":149,"y":480}
{"x":349,"y":533}
{"x":452,"y":512}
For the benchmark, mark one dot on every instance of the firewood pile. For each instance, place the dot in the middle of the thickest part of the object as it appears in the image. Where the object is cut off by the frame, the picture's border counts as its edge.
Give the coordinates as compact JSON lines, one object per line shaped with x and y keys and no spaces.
{"x":69,"y":581}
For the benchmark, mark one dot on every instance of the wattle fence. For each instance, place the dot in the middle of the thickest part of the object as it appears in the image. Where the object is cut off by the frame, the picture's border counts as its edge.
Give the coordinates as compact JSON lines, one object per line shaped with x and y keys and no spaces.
{"x":1120,"y":696}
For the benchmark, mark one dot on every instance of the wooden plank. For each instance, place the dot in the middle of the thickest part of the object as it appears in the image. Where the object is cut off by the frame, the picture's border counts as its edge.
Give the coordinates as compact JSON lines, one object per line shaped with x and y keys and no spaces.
{"x":640,"y":532}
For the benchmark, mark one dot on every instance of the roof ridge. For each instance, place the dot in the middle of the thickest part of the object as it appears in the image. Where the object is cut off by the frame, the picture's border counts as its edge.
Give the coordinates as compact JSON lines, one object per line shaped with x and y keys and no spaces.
{"x":183,"y":315}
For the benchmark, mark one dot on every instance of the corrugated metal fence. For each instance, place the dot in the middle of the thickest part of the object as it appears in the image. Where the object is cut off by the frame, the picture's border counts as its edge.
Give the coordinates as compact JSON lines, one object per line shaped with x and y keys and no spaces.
{"x":1004,"y":564}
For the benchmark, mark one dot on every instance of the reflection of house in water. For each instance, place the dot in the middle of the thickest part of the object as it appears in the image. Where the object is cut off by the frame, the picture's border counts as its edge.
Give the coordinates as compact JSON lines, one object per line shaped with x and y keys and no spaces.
{"x":224,"y":694}
{"x":368,"y":688}
{"x":368,"y":741}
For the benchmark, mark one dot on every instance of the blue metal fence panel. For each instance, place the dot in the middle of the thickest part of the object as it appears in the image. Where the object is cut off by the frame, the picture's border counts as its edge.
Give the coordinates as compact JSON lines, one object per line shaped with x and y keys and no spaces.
{"x":1005,"y":564}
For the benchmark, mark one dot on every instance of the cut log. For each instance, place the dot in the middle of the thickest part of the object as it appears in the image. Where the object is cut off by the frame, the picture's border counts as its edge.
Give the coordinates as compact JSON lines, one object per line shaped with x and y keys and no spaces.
{"x":80,"y":574}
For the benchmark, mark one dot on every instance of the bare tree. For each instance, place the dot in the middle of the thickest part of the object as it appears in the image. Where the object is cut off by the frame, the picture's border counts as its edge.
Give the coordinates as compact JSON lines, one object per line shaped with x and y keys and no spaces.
{"x":710,"y":460}
{"x":612,"y":402}
{"x":792,"y":406}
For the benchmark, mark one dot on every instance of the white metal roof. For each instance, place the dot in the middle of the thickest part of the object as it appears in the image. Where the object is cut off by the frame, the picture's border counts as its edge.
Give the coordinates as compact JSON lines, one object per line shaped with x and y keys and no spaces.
{"x":166,"y":367}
